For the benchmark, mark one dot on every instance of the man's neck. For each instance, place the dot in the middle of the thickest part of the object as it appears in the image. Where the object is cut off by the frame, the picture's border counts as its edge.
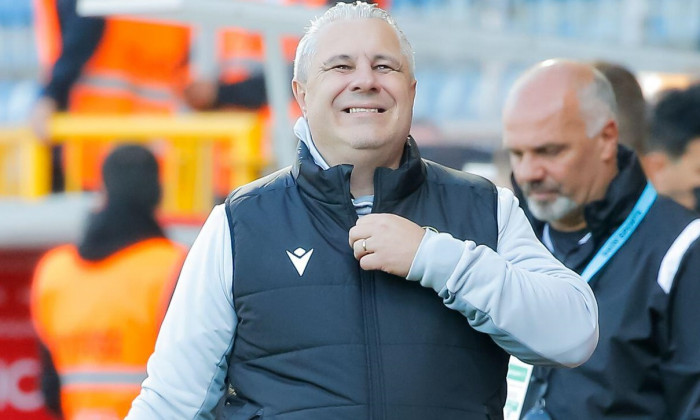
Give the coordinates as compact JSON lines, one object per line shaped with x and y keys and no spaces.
{"x":362,"y":181}
{"x":570,"y":223}
{"x":365,"y":162}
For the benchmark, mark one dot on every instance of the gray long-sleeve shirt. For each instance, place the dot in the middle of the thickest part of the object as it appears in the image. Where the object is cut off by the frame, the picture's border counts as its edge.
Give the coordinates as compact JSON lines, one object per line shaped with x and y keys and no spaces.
{"x":528,"y":302}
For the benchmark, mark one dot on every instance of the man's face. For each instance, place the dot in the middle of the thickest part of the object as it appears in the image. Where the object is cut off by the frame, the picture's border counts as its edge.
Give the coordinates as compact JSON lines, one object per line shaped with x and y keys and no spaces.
{"x":554,"y":161}
{"x":359,"y":92}
{"x":678,"y":178}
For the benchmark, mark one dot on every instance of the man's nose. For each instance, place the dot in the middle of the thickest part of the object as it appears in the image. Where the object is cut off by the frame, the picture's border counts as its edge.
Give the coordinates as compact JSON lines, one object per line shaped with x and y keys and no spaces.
{"x":364,"y":79}
{"x":528,"y":169}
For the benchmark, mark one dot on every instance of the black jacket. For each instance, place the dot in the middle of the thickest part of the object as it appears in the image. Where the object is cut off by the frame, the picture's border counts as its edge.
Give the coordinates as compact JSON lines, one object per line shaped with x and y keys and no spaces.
{"x":647,"y":363}
{"x":339,"y":342}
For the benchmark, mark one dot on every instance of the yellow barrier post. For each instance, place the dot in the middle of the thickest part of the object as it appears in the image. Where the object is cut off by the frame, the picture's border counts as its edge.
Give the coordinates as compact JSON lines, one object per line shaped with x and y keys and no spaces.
{"x":24,"y":164}
{"x":37,"y":158}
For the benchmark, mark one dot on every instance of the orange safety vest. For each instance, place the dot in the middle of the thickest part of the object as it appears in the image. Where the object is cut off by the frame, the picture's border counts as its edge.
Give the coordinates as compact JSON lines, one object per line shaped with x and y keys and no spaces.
{"x":137,"y":67}
{"x":100,"y":321}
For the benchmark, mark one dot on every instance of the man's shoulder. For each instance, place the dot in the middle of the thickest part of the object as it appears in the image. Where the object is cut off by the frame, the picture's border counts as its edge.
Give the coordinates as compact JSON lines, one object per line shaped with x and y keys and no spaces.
{"x":669,"y":231}
{"x":58,"y":255}
{"x":438,"y":173}
{"x":157,"y":247}
{"x":275,"y":181}
{"x":53,"y":264}
{"x":668,"y":218}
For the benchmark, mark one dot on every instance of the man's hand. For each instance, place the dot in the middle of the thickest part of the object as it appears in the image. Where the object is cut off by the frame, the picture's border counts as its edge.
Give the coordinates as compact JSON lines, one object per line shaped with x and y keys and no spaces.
{"x":40,"y":116}
{"x":200,"y":95}
{"x":386,"y":242}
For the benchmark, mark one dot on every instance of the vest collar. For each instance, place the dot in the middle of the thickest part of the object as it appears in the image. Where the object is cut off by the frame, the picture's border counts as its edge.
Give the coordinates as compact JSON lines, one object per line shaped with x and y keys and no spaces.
{"x":332,"y":185}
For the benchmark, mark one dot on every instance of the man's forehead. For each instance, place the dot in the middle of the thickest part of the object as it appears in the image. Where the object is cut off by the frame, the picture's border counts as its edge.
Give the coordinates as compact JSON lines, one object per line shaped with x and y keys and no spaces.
{"x":532,"y":106}
{"x":349,"y":37}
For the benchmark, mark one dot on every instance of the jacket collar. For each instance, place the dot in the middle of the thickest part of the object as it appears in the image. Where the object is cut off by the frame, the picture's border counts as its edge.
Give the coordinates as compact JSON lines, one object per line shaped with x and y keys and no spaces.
{"x":605,"y":215}
{"x":332,"y":185}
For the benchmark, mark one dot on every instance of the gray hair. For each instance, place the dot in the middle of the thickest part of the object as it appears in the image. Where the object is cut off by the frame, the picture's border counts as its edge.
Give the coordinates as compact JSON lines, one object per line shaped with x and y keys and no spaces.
{"x":597,"y":103}
{"x":344,"y":11}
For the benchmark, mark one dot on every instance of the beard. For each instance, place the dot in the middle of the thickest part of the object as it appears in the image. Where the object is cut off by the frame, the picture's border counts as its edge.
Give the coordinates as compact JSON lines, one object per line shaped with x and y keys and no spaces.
{"x":548,"y":211}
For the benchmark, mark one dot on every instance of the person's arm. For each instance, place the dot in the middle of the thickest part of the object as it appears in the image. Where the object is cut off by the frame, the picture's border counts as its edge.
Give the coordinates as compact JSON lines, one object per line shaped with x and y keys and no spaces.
{"x":80,"y":37}
{"x":531,"y":305}
{"x":249,"y":93}
{"x":186,"y":372}
{"x":49,"y":382}
{"x":203,"y":95}
{"x":680,"y":369}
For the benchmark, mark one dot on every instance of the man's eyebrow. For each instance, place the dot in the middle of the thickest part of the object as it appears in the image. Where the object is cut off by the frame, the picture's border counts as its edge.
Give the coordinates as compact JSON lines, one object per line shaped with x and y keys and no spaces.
{"x":336,"y":58}
{"x":389,"y":58}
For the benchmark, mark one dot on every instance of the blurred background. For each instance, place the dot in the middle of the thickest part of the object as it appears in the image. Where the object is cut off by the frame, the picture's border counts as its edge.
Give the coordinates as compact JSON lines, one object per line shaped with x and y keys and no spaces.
{"x":221,"y":113}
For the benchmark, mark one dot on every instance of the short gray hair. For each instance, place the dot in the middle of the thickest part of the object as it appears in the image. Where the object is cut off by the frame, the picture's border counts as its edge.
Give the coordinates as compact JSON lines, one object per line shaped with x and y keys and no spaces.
{"x":339,"y":12}
{"x":597,"y":103}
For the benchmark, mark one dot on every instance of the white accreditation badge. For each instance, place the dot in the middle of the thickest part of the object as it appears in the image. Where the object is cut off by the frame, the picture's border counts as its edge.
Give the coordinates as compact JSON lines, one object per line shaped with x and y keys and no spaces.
{"x":518,"y":379}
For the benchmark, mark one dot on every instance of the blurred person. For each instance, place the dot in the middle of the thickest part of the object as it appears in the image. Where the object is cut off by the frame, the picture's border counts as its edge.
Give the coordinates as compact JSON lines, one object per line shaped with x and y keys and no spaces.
{"x":673,"y":158}
{"x":97,"y":305}
{"x":591,"y":205}
{"x":97,"y":65}
{"x":314,"y":293}
{"x":632,"y":121}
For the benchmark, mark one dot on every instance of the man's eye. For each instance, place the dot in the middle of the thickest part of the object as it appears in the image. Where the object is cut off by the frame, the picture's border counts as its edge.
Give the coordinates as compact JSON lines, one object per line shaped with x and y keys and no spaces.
{"x":551,"y":151}
{"x":383,"y":67}
{"x":341,"y":67}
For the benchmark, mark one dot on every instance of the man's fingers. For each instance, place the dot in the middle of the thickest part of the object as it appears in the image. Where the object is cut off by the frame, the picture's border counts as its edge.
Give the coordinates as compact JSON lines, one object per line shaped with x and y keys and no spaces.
{"x":370,"y":262}
{"x":357,"y":233}
{"x":360,"y":248}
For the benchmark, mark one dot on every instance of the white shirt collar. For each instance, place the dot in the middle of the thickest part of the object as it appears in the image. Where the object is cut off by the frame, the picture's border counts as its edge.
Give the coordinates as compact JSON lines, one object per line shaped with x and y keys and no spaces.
{"x":303,"y":133}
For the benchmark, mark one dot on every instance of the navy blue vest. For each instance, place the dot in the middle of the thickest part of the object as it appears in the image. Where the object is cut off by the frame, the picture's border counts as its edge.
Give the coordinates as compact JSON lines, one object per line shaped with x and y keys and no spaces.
{"x":337,"y":342}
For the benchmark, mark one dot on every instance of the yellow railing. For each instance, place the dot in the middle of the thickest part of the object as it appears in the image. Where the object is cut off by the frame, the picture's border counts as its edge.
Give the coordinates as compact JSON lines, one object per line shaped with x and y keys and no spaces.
{"x":193,"y":142}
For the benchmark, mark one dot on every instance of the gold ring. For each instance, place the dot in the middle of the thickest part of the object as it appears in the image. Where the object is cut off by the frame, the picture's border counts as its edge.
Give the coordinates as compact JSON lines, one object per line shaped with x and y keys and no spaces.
{"x":364,"y":245}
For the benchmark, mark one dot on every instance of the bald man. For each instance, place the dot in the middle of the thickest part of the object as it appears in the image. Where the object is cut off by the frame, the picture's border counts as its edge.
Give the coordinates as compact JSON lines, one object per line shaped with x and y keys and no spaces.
{"x":591,"y":205}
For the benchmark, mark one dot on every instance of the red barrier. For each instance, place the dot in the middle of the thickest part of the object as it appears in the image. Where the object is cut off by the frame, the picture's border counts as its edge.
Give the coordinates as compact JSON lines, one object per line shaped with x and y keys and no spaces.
{"x":20,"y":397}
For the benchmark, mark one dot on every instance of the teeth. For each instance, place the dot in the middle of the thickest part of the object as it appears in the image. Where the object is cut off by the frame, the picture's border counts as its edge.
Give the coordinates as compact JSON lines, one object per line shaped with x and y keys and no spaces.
{"x":354,"y":110}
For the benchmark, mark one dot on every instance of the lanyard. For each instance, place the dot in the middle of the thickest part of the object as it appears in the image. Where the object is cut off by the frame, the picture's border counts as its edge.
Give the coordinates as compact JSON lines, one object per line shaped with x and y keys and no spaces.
{"x":620,"y":236}
{"x":518,"y":389}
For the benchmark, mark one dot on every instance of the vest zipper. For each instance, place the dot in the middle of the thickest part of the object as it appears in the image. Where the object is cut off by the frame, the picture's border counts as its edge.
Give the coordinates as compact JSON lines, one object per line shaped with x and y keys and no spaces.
{"x":374,"y":373}
{"x":377,"y":404}
{"x":371,"y":331}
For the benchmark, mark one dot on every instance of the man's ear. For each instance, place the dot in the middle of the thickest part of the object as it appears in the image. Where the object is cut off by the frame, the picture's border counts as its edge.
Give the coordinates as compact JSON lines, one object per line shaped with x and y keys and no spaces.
{"x":299,"y":91}
{"x":610,"y":136}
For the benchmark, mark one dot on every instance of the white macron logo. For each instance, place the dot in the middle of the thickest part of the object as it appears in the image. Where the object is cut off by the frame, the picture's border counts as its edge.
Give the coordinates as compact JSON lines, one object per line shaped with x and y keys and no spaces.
{"x":300,"y":258}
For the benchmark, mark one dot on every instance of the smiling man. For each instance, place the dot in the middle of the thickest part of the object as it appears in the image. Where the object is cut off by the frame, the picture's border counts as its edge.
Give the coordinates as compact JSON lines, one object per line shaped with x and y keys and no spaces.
{"x":315,"y":293}
{"x":594,"y":209}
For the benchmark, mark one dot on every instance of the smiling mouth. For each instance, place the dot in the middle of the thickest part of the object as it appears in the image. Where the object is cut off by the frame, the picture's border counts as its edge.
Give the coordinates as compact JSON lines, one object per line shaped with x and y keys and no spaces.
{"x":363,"y":110}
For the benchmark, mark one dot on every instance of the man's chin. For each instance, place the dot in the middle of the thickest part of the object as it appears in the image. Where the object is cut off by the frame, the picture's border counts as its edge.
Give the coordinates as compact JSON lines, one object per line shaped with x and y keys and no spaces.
{"x":551,"y":210}
{"x":540,"y":211}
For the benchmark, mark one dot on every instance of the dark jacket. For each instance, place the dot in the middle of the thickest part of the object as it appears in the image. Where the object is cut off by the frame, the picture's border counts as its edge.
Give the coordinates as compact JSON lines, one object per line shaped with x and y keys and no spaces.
{"x":647,"y":363}
{"x":343,"y":343}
